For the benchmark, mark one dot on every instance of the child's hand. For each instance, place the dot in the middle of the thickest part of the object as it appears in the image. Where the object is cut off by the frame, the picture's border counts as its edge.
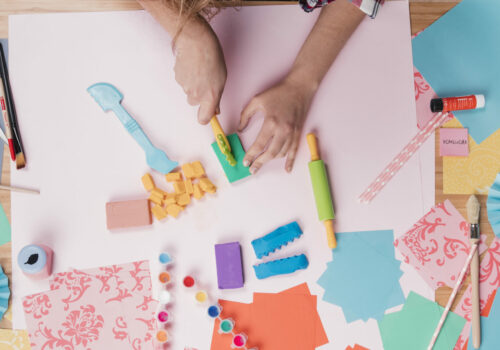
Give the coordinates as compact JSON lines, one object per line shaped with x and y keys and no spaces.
{"x":200,"y":68}
{"x":285,"y":108}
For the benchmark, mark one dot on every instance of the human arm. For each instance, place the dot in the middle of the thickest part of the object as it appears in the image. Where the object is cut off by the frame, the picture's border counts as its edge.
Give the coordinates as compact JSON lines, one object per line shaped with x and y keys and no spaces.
{"x":285,"y":105}
{"x":199,"y":68}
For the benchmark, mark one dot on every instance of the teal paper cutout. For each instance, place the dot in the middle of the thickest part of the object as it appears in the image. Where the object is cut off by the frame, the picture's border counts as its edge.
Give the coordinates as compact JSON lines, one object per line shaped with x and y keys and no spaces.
{"x":363,"y":276}
{"x":412,"y":328}
{"x":459,"y":55}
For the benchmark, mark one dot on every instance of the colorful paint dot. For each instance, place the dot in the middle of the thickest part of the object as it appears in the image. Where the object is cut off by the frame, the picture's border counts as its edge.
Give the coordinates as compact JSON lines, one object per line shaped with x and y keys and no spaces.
{"x":164,"y":277}
{"x":162,"y":336}
{"x":164,"y":297}
{"x":214,"y":311}
{"x":201,"y":296}
{"x":188,"y":281}
{"x":239,"y":340}
{"x":163,"y":316}
{"x":164,"y":258}
{"x":226,"y":326}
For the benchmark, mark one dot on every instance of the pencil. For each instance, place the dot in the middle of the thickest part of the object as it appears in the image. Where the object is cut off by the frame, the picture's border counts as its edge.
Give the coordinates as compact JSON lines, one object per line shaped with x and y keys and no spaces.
{"x":16,"y":136}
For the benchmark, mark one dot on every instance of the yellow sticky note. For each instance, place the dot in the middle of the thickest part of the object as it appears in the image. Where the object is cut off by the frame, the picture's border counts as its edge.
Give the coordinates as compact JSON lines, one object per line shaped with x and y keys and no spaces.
{"x":159,"y":212}
{"x":148,"y":182}
{"x":475,"y":173}
{"x":198,"y":169}
{"x":14,"y":339}
{"x":171,"y":177}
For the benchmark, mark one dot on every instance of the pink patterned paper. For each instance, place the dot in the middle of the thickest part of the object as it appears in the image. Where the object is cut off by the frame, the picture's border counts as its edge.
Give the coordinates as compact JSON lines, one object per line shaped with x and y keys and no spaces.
{"x":105,"y":308}
{"x":437,"y":245}
{"x":489,"y":279}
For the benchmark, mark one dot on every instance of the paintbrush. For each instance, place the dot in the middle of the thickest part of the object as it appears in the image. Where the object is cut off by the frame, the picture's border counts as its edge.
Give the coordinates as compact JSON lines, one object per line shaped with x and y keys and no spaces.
{"x":18,"y":146}
{"x":473,"y":210}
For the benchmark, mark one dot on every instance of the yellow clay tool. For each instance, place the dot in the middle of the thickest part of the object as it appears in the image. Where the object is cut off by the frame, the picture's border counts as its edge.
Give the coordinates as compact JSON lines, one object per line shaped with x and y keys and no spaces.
{"x":222,"y":142}
{"x":321,"y":189}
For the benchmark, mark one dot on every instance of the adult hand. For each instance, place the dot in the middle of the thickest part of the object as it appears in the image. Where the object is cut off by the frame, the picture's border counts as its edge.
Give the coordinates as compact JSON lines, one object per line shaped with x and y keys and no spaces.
{"x":200,"y":68}
{"x":285,"y":107}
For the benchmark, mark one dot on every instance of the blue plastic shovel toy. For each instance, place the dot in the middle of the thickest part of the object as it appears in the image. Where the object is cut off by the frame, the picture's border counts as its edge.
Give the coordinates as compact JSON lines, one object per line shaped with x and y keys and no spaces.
{"x":109,"y":98}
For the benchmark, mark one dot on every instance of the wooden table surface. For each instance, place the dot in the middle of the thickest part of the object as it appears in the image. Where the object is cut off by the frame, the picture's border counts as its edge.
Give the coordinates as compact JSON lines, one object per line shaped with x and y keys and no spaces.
{"x":423,"y":13}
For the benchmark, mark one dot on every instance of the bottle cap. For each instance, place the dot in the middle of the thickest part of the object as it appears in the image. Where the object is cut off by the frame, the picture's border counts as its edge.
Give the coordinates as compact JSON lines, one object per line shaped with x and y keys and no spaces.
{"x":226,"y":326}
{"x":188,"y":281}
{"x":437,"y":105}
{"x":239,"y":340}
{"x":480,"y":101}
{"x":164,"y":277}
{"x":214,"y":311}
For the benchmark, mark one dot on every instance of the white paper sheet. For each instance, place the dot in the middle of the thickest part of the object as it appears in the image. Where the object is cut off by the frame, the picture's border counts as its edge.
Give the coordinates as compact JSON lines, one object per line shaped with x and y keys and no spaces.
{"x":80,"y":157}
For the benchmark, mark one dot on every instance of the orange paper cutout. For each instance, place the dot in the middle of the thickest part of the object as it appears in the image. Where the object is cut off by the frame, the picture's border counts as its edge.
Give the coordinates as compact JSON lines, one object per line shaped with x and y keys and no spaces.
{"x":285,"y":321}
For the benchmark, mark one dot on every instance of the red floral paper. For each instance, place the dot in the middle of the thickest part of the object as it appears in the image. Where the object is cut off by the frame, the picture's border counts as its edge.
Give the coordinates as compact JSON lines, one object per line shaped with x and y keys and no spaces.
{"x":437,"y":246}
{"x":489,"y":279}
{"x":105,"y":308}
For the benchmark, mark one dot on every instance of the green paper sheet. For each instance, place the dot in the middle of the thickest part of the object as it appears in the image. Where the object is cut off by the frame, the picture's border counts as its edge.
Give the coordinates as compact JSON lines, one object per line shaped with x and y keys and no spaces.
{"x":237,"y":172}
{"x":4,"y":227}
{"x":412,"y":327}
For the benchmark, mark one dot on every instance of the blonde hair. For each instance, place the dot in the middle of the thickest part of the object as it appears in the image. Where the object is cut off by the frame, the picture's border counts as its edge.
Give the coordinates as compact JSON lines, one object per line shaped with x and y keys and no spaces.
{"x":190,"y":9}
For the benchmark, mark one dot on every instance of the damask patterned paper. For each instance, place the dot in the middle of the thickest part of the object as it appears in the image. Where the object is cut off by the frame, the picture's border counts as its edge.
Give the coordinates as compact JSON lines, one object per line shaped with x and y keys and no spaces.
{"x":105,"y":308}
{"x":437,"y":245}
{"x":489,"y":279}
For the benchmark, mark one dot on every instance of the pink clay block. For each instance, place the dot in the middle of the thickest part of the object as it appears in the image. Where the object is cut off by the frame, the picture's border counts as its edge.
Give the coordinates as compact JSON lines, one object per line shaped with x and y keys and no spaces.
{"x":128,"y":214}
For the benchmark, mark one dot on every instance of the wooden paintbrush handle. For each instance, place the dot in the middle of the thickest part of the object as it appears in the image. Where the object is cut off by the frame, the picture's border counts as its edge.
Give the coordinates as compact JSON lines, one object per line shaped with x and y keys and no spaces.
{"x":476,"y":313}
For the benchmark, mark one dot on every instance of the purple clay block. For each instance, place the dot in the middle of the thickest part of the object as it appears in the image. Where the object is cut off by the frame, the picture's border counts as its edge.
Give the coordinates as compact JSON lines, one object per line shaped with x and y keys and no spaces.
{"x":229,"y":265}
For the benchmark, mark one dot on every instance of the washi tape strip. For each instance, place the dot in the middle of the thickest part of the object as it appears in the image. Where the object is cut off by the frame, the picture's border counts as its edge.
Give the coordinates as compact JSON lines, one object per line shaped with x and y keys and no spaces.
{"x":402,"y":158}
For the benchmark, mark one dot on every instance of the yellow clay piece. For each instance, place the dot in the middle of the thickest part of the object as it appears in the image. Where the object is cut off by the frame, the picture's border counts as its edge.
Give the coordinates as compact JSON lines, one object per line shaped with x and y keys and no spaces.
{"x":155,"y":199}
{"x":172,"y":177}
{"x":179,"y":187}
{"x":159,"y":212}
{"x":158,"y":193}
{"x":189,"y":186}
{"x":174,"y":210}
{"x":170,"y":200}
{"x":148,"y":182}
{"x":188,"y":170}
{"x":207,"y":185}
{"x":198,"y":169}
{"x":197,"y":191}
{"x":183,"y":199}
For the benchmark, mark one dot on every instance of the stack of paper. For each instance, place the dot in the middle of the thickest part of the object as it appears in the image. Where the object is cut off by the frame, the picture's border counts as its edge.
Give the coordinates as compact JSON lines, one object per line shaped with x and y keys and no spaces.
{"x":459,"y":55}
{"x":437,"y":247}
{"x":412,"y":327}
{"x":103,"y":308}
{"x":284,"y":321}
{"x":363,"y":277}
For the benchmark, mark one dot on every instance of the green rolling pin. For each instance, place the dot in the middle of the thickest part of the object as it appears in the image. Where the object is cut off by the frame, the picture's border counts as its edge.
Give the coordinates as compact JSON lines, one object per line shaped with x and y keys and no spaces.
{"x":321,"y":189}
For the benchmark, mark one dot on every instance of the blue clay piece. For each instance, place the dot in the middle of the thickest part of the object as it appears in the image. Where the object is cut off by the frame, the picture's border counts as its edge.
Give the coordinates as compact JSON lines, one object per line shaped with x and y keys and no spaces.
{"x":281,"y":267}
{"x":275,"y":240}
